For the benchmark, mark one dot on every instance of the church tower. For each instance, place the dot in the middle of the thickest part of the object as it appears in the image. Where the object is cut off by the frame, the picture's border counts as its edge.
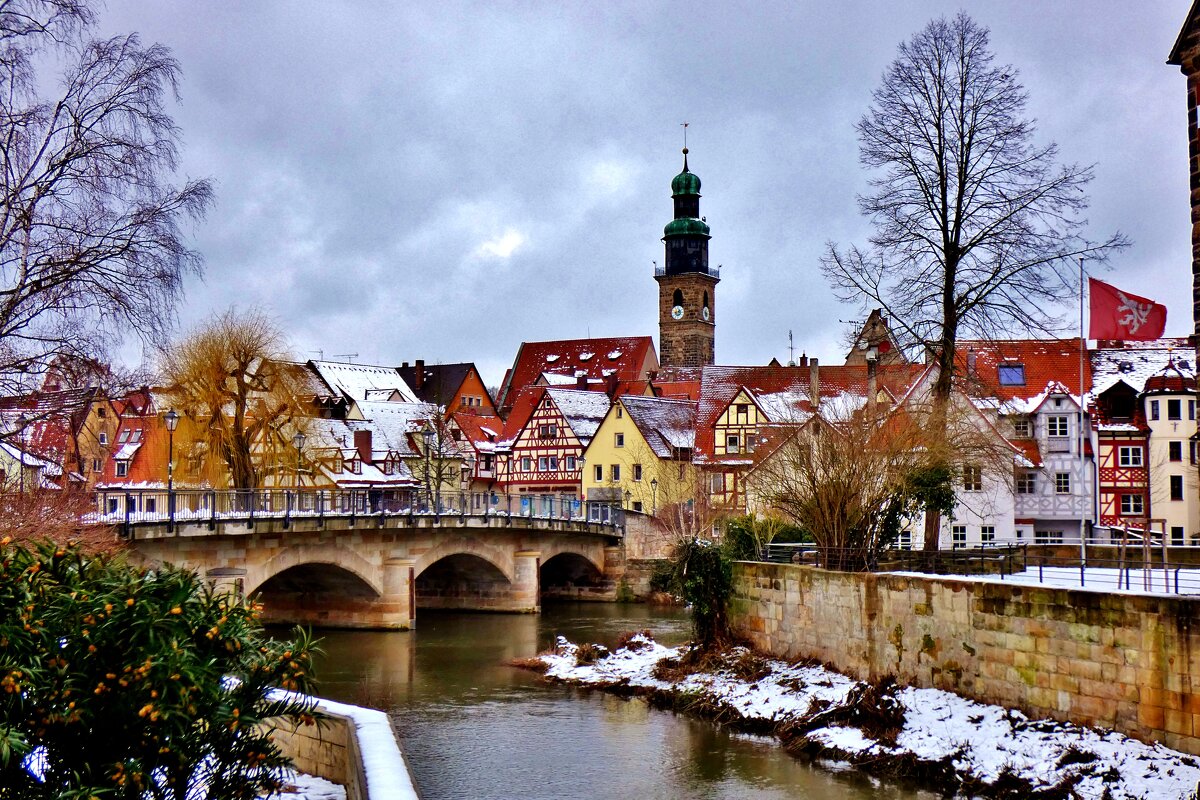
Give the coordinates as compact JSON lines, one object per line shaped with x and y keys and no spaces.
{"x":686,"y":284}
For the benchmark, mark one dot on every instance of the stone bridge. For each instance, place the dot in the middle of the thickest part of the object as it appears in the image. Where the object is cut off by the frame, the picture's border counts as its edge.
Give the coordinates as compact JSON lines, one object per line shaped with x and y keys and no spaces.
{"x":333,"y":559}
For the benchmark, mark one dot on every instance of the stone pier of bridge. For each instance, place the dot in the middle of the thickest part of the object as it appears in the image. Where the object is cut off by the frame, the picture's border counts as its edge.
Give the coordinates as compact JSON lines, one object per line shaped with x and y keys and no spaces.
{"x":376,"y":572}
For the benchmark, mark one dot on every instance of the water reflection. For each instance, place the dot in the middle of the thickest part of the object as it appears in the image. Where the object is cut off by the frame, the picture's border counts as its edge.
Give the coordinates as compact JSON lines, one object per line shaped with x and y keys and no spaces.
{"x":474,"y":727}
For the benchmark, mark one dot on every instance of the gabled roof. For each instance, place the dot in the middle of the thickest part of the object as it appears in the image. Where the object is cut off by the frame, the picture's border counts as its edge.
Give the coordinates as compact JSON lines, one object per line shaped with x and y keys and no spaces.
{"x":393,"y":423}
{"x":1191,"y":26}
{"x":524,"y":404}
{"x":783,"y":393}
{"x":482,"y":432}
{"x":354,"y":380}
{"x":582,"y":410}
{"x":1133,"y":363}
{"x":668,"y":426}
{"x":1045,"y":362}
{"x":438,"y":383}
{"x":629,"y":358}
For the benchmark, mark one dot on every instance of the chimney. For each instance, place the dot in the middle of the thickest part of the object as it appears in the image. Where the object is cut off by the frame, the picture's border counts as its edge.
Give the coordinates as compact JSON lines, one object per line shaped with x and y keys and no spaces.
{"x":418,"y":374}
{"x":362,"y":443}
{"x":803,"y":362}
{"x":814,"y":383}
{"x":404,"y":365}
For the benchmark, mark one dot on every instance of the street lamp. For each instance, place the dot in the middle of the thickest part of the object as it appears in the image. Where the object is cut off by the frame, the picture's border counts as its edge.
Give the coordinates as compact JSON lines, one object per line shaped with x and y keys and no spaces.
{"x":171,"y":418}
{"x":298,"y":441}
{"x":653,"y":496}
{"x":628,"y":497}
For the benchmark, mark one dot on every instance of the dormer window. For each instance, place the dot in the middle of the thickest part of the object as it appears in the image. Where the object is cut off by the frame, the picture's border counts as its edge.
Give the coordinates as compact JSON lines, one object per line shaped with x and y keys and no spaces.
{"x":1011,"y":374}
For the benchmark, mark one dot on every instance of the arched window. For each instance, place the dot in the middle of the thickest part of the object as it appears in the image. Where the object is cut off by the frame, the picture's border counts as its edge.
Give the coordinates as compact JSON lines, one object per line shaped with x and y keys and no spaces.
{"x":706,"y":300}
{"x":677,"y":300}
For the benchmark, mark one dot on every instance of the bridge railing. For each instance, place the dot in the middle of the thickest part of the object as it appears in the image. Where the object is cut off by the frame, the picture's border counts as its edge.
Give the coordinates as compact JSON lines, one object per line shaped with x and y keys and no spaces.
{"x":156,"y":506}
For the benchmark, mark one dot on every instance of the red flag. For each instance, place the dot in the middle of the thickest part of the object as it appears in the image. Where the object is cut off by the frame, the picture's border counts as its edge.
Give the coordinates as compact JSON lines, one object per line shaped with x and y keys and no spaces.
{"x":1121,"y":315}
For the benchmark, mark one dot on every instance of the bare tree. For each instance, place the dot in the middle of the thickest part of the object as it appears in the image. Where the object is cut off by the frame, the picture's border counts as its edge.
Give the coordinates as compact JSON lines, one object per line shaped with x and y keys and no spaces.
{"x":855,"y":479}
{"x":976,"y":227}
{"x":91,"y":246}
{"x":240,"y":398}
{"x":442,"y":455}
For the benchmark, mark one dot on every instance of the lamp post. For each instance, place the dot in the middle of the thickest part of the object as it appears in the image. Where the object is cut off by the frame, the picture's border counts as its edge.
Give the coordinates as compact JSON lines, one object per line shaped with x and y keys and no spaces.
{"x":171,"y":418}
{"x":628,"y":496}
{"x":654,"y":497}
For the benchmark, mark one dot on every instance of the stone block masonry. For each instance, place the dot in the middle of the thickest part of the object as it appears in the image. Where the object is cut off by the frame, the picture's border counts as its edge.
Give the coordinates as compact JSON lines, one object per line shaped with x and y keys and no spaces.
{"x":1115,"y":661}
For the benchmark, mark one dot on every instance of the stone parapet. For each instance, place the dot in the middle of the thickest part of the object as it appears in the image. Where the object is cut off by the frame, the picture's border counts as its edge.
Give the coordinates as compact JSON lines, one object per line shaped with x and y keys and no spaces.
{"x":353,"y":747}
{"x":1111,"y":660}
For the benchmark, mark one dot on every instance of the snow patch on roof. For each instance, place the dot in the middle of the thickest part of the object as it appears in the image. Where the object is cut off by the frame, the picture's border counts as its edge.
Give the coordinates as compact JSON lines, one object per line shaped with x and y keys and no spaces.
{"x":582,"y":410}
{"x":355,"y":380}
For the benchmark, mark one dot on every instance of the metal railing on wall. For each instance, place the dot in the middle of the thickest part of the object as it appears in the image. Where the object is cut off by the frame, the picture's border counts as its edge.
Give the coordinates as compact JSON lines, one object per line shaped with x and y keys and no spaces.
{"x":131,"y":508}
{"x":1131,"y":569}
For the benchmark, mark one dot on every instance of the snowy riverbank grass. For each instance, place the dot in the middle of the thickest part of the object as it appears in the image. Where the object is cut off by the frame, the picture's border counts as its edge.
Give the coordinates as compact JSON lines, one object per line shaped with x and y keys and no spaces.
{"x":934,"y":736}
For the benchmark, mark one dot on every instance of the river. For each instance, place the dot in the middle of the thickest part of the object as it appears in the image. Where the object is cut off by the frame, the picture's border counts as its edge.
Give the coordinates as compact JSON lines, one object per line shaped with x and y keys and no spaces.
{"x":473,"y":727}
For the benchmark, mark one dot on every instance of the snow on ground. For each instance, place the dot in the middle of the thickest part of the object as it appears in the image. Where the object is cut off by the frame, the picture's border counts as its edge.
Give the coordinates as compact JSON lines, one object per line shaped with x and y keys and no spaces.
{"x":982,"y":740}
{"x":1099,"y":579}
{"x":298,"y":786}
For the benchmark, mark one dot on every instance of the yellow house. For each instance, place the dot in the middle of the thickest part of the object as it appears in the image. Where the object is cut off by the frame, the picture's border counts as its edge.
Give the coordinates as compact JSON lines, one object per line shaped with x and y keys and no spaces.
{"x":641,"y":455}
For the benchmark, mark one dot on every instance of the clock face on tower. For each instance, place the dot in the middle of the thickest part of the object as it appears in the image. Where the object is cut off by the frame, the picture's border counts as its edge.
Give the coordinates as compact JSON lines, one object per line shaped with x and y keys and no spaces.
{"x":704,"y":313}
{"x":677,"y":312}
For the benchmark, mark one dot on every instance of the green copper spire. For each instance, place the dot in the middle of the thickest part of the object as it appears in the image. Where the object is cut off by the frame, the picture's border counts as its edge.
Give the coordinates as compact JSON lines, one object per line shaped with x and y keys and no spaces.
{"x":685,"y":182}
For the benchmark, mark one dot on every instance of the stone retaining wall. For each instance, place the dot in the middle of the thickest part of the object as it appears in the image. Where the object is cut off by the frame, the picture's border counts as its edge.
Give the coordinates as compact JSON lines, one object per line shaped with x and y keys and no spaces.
{"x":329,"y":751}
{"x":1116,"y":661}
{"x":355,"y":748}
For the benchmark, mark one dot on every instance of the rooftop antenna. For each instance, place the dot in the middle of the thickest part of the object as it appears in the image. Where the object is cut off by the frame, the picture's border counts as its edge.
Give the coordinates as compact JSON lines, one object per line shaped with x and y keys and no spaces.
{"x":348,"y":356}
{"x":791,"y":350}
{"x":320,"y":354}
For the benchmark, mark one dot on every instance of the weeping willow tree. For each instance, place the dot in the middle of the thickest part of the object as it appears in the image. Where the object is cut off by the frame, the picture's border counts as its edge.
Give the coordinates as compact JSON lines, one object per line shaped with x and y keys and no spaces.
{"x":240,"y":398}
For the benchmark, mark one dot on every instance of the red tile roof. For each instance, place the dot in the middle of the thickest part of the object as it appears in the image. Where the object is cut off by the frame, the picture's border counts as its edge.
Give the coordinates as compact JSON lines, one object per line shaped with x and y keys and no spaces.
{"x":1029,"y":450}
{"x":1045,"y":361}
{"x":628,"y":358}
{"x":777,"y":387}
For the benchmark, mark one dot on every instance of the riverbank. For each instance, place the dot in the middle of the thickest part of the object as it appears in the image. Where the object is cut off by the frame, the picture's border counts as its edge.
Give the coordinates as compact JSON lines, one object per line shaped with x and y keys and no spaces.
{"x":937,"y":738}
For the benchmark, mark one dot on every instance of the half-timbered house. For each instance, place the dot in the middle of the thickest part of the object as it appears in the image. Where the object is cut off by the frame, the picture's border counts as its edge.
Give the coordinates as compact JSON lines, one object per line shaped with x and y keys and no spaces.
{"x":1033,"y":385}
{"x":545,"y":436}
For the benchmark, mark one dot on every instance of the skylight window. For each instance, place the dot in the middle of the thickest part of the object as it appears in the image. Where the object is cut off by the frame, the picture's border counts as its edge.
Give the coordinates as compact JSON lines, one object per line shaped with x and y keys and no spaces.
{"x":1012,"y":374}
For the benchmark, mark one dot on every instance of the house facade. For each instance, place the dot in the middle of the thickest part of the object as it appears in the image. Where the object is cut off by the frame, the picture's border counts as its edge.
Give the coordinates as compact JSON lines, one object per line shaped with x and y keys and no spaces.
{"x":641,"y":454}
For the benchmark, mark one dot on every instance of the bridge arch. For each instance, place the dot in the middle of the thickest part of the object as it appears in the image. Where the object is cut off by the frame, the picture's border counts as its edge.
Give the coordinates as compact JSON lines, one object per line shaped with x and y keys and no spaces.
{"x":569,"y":574}
{"x":467,"y":546}
{"x":300,"y":555}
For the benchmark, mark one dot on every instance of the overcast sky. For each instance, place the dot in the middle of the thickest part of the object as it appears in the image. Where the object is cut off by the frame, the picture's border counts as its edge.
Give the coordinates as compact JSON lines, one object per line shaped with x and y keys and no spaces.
{"x":446,"y":180}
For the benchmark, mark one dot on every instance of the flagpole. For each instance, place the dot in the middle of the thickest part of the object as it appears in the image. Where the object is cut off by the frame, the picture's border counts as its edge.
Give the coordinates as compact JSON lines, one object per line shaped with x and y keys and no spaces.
{"x":1082,"y":461}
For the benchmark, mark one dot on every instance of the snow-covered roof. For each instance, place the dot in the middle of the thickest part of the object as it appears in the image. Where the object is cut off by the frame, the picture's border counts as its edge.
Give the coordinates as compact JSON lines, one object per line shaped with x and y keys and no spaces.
{"x":355,"y":380}
{"x":1029,"y":405}
{"x":127,"y":451}
{"x":1134,"y":363}
{"x":582,"y":410}
{"x":391,"y":423}
{"x":668,"y":426}
{"x":47,"y":467}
